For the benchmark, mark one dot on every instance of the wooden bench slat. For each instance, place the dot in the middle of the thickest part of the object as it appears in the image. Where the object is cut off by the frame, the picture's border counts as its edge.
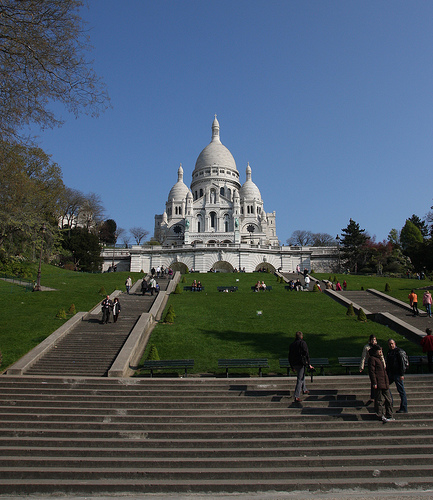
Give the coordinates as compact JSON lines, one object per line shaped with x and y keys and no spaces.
{"x":243,"y":363}
{"x":168,"y":363}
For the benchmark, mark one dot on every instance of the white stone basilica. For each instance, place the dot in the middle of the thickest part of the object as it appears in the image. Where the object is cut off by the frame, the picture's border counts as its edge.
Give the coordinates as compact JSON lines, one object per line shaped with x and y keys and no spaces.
{"x":216,"y":209}
{"x":217,"y":224}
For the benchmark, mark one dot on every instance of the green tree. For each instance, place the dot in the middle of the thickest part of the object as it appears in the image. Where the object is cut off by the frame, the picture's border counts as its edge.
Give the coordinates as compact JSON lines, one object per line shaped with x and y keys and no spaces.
{"x":353,"y":245}
{"x":31,"y":187}
{"x":420,"y":224}
{"x":107,"y":232}
{"x":42,"y":60}
{"x":410,"y":236}
{"x":85,"y":249}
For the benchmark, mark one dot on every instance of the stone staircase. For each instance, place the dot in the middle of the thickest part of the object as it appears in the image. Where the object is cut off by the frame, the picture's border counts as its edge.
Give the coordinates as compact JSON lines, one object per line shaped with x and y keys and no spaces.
{"x":90,"y":348}
{"x":163,"y":435}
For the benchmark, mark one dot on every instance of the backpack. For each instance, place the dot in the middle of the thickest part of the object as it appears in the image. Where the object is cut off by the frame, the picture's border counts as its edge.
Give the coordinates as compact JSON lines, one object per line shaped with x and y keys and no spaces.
{"x":404,"y":358}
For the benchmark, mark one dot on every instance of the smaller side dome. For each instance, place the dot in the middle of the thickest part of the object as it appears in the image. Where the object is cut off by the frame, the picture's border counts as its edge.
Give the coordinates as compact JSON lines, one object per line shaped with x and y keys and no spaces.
{"x":180,"y":190}
{"x":249,"y":191}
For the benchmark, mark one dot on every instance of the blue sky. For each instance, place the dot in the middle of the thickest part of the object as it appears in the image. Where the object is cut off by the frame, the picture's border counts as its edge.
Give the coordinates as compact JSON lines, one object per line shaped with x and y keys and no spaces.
{"x":329,"y":101}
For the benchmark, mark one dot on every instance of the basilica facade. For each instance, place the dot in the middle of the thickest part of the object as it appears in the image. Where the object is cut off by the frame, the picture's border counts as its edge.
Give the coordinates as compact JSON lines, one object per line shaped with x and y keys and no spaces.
{"x":216,"y":208}
{"x":217,"y":224}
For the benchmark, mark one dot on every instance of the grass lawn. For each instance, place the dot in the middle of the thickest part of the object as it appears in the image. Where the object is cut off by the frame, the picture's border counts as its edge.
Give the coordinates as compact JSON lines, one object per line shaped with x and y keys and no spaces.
{"x":29,"y":317}
{"x":400,"y":287}
{"x":211,"y":325}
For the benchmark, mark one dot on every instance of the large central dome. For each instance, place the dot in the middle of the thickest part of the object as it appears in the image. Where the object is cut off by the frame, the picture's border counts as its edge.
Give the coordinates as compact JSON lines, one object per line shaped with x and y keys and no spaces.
{"x":215,"y":153}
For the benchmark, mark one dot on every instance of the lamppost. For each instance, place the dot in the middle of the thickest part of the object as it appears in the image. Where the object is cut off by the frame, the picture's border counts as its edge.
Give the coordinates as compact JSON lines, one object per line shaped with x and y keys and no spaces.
{"x":37,"y":287}
{"x":339,"y":260}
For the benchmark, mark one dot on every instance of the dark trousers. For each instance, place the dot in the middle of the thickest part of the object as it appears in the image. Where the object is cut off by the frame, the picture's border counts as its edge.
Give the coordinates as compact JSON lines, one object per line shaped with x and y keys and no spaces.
{"x":105,"y":315}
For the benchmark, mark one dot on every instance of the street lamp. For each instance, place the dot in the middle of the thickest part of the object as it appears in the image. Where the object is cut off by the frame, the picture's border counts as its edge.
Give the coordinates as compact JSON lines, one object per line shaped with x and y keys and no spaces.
{"x":37,"y":287}
{"x":339,"y":261}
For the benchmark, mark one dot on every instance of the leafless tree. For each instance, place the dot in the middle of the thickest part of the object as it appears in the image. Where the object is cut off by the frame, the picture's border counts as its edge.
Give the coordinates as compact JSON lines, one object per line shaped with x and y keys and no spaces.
{"x":71,"y":203}
{"x":300,"y":237}
{"x":138,"y":233}
{"x":42,"y":60}
{"x":323,"y":240}
{"x":92,"y":212}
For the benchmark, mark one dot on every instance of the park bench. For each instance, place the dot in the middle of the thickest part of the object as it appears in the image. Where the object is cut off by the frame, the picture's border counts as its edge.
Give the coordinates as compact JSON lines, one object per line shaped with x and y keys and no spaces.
{"x":174,"y":364}
{"x":227,"y":288}
{"x":418,"y":362}
{"x":269,"y":288}
{"x":243,"y":363}
{"x":316,"y":362}
{"x":303,"y":287}
{"x":189,"y":289}
{"x":349,"y":362}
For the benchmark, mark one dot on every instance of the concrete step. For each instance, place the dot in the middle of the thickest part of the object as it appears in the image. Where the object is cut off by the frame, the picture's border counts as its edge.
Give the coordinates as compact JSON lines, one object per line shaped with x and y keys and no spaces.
{"x":106,"y":436}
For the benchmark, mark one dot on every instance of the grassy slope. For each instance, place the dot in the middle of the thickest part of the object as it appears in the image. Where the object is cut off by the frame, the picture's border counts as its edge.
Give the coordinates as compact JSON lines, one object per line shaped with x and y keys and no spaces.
{"x":28,"y":318}
{"x":210,"y":325}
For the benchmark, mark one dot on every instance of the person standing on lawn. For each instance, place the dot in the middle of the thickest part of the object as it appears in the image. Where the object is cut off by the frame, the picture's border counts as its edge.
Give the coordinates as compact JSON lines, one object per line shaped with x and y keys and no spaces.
{"x":299,"y":359}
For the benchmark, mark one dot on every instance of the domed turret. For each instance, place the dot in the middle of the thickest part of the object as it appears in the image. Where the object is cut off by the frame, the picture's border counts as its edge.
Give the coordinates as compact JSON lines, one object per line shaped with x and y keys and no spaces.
{"x":180,"y":190}
{"x":249,"y":191}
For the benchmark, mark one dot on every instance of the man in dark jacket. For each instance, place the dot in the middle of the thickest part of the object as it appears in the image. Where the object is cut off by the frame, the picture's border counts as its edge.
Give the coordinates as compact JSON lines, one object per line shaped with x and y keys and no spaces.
{"x":299,"y":360}
{"x":107,"y":305}
{"x":396,"y":368}
{"x":380,"y":383}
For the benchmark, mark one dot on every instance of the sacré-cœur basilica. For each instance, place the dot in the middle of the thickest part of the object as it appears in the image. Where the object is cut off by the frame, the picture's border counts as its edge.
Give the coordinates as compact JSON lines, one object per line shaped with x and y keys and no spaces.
{"x":218,"y":224}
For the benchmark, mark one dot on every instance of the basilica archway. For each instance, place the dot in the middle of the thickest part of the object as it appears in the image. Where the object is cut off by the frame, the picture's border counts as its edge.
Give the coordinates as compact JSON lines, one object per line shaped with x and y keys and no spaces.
{"x":179,"y":266}
{"x":265,"y":267}
{"x":222,"y":266}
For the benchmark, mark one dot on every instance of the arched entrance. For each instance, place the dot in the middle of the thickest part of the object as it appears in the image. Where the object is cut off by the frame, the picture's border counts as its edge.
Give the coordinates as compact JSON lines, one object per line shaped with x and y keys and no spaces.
{"x":265,"y":267}
{"x":179,"y":266}
{"x":222,"y":266}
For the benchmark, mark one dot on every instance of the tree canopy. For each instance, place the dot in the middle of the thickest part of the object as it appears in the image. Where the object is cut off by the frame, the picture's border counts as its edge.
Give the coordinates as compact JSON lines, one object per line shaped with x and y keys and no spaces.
{"x":42,"y":59}
{"x":353,"y":245}
{"x":31,"y":187}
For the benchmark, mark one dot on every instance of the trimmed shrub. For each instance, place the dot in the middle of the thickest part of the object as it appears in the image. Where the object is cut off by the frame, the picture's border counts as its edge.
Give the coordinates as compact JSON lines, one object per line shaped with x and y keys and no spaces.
{"x":72,"y":309}
{"x":177,"y":289}
{"x":153,"y":353}
{"x":183,"y":279}
{"x":350,"y":311}
{"x":61,"y":314}
{"x":169,"y":317}
{"x":361,"y":315}
{"x":102,"y":291}
{"x":387,"y":287}
{"x":315,"y":288}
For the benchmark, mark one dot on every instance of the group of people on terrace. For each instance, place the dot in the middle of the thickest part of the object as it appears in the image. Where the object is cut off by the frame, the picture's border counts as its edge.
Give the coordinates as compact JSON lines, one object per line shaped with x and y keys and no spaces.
{"x":161,"y":272}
